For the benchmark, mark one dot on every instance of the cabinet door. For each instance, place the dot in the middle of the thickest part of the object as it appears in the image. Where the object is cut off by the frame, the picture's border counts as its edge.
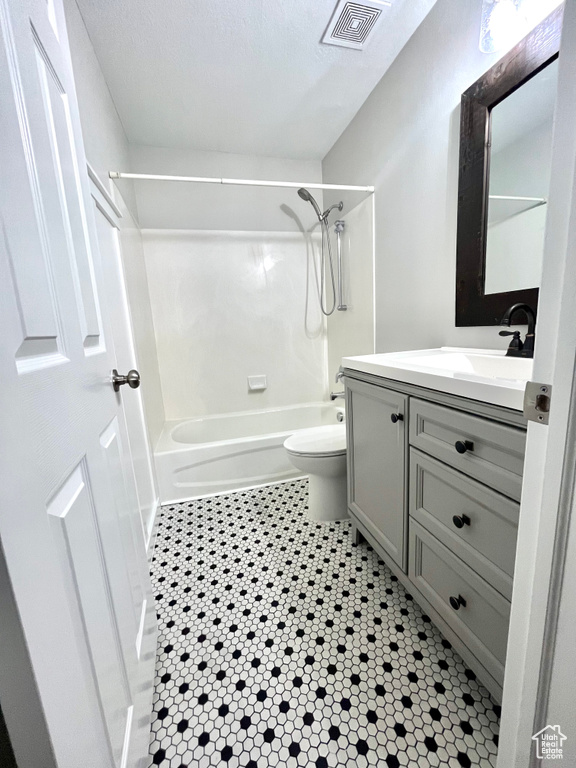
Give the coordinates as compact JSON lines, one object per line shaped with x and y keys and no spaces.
{"x":377,"y":464}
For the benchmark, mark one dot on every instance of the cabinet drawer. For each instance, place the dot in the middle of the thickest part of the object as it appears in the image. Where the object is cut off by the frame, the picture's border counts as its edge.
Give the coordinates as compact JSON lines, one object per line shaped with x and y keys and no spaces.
{"x":476,"y":523}
{"x":482,"y":622}
{"x":493,"y":453}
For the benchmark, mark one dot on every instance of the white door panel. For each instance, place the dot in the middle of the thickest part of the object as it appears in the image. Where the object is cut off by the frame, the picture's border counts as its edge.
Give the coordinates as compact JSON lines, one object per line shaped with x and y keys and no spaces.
{"x":70,"y":529}
{"x":69,"y":197}
{"x":78,"y":548}
{"x":122,"y":544}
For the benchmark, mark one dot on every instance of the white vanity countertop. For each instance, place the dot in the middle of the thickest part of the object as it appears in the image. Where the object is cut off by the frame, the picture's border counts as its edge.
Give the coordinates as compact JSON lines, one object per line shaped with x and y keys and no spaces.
{"x":479,"y":374}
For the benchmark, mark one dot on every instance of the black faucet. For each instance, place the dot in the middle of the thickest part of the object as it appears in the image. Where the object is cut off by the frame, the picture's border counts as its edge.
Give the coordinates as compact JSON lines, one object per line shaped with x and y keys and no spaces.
{"x":518,"y":348}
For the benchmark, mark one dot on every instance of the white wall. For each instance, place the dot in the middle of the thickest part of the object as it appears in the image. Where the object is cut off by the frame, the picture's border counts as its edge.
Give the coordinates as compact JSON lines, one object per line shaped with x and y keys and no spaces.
{"x":352,"y":332}
{"x":404,"y":140}
{"x":171,"y":205}
{"x":227,"y":305}
{"x":107,"y":148}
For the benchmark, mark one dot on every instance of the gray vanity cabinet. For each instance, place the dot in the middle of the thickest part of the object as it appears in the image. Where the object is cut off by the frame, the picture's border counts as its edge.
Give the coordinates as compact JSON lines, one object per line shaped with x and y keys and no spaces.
{"x":434,"y":484}
{"x":377,"y":459}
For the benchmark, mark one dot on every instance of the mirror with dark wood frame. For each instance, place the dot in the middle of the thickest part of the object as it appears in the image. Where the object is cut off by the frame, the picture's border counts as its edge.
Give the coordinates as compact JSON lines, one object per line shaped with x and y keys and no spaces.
{"x":475,"y":305}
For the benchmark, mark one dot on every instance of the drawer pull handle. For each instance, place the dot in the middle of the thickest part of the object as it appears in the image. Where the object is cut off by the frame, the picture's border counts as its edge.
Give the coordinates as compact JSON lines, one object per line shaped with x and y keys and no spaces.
{"x":461,"y":520}
{"x":464,"y":445}
{"x":456,"y":602}
{"x":396,"y":417}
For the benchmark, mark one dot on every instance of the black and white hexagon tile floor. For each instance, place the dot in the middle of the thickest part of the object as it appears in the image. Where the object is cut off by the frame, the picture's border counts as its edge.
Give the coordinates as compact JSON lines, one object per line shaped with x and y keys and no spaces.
{"x":284,"y":644}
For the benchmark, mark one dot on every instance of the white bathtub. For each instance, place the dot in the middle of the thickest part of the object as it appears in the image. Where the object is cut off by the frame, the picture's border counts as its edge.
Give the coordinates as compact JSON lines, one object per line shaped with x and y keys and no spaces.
{"x":213,"y":454}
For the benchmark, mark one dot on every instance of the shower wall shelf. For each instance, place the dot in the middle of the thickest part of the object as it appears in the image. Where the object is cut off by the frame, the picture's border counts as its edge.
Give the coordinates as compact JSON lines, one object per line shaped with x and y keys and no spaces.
{"x":503,"y":207}
{"x":241,"y":182}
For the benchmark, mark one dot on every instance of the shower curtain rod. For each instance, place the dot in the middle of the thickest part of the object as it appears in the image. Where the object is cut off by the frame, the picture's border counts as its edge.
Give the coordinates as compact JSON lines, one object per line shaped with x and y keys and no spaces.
{"x":242,"y":182}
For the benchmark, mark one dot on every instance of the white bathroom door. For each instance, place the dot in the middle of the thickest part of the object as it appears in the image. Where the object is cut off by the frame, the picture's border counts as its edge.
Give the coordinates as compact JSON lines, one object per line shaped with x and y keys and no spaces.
{"x":72,"y":552}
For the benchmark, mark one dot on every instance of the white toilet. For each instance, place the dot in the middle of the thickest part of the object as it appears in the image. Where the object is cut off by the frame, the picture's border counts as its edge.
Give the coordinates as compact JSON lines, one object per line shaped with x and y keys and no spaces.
{"x":321,"y":453}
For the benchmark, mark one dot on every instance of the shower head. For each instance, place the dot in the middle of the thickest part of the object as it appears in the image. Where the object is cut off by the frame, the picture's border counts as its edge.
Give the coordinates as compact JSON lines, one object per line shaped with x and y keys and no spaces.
{"x":339,"y":205}
{"x":305,"y":195}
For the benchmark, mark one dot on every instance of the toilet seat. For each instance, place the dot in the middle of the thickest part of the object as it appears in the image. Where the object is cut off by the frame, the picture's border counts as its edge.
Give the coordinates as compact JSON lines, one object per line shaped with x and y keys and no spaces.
{"x":318,"y":441}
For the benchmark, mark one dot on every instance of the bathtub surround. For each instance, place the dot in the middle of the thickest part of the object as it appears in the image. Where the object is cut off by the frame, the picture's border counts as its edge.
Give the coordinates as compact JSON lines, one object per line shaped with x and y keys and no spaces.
{"x":405,"y":141}
{"x":299,"y":648}
{"x":228,"y":304}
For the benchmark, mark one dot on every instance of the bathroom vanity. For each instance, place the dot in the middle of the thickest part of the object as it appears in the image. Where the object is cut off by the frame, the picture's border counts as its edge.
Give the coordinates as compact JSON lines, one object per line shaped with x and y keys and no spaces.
{"x":434,"y":484}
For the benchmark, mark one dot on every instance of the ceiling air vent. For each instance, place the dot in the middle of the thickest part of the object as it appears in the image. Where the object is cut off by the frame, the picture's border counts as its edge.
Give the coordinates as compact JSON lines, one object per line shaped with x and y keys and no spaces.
{"x":352,"y":23}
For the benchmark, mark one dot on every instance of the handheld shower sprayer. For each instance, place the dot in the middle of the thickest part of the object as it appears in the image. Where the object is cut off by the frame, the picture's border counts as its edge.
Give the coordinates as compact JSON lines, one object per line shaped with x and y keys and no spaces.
{"x":323,"y":219}
{"x":305,"y":195}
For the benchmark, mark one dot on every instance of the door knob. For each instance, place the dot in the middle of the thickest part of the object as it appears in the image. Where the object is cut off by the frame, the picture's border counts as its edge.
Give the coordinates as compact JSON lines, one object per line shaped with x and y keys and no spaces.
{"x":132,"y":378}
{"x":395,"y":417}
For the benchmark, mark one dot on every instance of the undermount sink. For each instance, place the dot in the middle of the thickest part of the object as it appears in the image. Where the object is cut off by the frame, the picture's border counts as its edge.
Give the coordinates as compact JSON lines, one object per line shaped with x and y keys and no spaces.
{"x":480,"y":374}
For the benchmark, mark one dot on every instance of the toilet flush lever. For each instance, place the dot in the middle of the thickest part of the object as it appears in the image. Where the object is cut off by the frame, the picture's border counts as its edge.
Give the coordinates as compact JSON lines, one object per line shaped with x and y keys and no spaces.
{"x":132,"y":378}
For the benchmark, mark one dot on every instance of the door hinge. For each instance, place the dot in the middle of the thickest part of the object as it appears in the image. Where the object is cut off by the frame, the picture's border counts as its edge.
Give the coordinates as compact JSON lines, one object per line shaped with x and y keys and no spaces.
{"x":537,"y":399}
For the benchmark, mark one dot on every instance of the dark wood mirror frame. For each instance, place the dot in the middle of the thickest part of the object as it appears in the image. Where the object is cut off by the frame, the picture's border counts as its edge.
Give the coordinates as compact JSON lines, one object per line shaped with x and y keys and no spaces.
{"x":530,"y":56}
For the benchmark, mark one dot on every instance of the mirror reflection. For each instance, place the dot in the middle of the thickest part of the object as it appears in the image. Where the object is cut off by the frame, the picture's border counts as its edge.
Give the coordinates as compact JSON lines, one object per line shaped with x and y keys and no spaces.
{"x":521,"y":148}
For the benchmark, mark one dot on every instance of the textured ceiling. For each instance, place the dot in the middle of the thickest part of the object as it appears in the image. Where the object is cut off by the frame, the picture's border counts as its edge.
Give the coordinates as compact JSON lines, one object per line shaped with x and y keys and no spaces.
{"x":244,"y":76}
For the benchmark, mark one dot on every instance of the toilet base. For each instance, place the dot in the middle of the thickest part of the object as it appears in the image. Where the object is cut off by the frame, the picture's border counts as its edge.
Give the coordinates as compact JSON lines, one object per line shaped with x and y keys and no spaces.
{"x":327,"y":499}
